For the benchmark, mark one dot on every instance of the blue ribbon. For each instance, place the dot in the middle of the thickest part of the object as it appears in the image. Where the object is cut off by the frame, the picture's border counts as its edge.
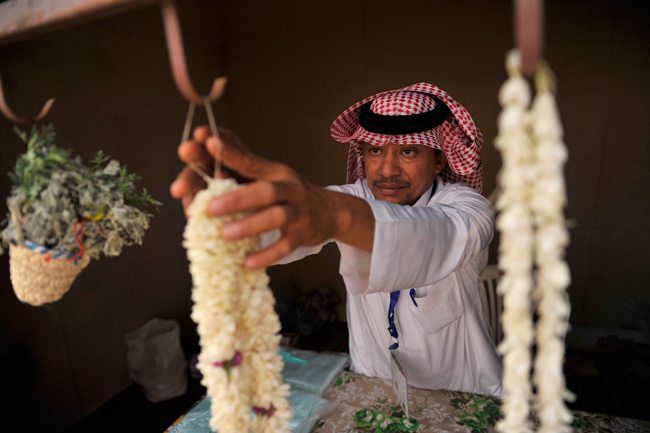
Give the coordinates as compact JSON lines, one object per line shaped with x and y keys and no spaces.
{"x":412,"y":293}
{"x":394,"y":297}
{"x":55,"y":254}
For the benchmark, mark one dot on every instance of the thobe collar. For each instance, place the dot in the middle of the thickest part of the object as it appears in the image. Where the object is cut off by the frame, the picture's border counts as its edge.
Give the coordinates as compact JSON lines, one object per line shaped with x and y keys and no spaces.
{"x":423,"y":201}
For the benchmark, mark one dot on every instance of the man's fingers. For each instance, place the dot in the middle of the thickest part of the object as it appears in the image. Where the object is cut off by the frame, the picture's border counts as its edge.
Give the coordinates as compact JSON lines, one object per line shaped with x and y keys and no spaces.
{"x":187,"y":201}
{"x":196,"y":152}
{"x":201,"y":133}
{"x":188,"y":182}
{"x":244,"y":162}
{"x":270,"y":255}
{"x":196,"y":155}
{"x":253,"y":196}
{"x":268,"y":219}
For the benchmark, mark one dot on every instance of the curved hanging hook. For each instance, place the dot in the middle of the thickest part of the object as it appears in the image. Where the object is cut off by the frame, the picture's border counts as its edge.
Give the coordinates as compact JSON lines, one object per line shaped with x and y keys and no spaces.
{"x":529,"y":33}
{"x":9,"y":114}
{"x":177,"y":58}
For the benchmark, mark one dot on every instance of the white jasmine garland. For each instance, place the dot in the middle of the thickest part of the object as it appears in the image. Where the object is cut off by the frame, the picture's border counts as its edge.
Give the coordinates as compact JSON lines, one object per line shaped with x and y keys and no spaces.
{"x":553,"y":275}
{"x":236,"y":323}
{"x":516,"y":247}
{"x":533,"y":234}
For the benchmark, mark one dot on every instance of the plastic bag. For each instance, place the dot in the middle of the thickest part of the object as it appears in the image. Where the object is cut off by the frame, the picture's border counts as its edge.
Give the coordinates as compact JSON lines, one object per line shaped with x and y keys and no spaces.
{"x":312,"y":372}
{"x":307,"y":410}
{"x":156,"y":361}
{"x":309,"y":373}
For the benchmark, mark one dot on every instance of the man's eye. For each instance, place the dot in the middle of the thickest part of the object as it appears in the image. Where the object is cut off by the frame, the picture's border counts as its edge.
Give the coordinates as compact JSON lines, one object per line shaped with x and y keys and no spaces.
{"x":408,"y":152}
{"x":374,"y":150}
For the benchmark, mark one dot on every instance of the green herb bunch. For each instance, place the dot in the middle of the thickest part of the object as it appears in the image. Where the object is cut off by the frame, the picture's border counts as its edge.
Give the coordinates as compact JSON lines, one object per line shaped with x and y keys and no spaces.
{"x":53,"y":195}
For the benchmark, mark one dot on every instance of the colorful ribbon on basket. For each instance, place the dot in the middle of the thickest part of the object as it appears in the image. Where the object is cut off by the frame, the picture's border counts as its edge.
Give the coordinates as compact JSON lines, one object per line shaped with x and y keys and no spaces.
{"x":79,"y":237}
{"x":56,"y":254}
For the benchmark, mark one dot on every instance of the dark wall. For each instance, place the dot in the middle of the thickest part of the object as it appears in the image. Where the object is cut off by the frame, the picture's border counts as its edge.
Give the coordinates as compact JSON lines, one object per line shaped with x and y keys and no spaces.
{"x":114,"y":91}
{"x":293,"y":67}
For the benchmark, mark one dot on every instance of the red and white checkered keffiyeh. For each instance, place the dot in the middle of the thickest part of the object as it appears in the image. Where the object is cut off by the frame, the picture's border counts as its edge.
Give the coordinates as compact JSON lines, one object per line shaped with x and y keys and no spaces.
{"x":457,"y":136}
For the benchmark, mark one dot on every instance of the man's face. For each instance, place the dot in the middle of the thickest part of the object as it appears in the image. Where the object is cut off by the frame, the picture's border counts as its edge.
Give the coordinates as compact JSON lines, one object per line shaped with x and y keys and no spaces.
{"x":401,"y":173}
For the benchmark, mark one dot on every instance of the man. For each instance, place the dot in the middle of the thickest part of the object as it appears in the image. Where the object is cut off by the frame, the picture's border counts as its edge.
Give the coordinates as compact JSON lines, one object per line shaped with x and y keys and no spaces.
{"x":410,"y":221}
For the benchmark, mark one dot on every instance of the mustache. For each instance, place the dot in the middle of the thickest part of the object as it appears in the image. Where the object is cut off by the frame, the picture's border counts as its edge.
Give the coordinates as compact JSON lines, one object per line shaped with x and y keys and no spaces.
{"x":393,"y":180}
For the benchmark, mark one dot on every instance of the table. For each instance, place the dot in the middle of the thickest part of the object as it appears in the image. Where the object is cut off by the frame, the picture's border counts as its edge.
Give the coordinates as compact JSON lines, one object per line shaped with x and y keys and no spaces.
{"x":365,"y":404}
{"x":360,"y":404}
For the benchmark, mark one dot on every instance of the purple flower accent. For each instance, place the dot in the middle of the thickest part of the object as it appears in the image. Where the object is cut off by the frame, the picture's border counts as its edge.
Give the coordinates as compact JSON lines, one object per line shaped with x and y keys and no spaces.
{"x":234,"y":362}
{"x":264,"y":412}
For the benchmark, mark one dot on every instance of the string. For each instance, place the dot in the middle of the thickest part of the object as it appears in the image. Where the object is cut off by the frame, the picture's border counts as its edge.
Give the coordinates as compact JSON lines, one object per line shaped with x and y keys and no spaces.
{"x":186,"y":135}
{"x":188,"y":122}
{"x":215,"y":134}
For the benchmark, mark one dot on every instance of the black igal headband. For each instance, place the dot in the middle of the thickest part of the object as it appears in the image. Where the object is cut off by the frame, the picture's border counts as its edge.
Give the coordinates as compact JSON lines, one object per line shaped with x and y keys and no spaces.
{"x":407,"y":124}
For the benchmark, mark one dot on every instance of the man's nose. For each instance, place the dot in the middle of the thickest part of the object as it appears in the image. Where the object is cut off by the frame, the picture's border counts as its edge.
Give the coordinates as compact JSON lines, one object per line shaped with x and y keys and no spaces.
{"x":390,"y":165}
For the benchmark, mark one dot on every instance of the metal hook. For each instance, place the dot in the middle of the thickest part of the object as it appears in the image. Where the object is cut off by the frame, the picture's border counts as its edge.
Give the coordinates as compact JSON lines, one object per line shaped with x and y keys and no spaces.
{"x":529,"y":33}
{"x":177,"y":58}
{"x":9,"y":114}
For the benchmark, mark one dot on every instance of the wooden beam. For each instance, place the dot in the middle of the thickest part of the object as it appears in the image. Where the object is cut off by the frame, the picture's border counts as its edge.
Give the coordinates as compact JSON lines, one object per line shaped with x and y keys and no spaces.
{"x":25,"y":18}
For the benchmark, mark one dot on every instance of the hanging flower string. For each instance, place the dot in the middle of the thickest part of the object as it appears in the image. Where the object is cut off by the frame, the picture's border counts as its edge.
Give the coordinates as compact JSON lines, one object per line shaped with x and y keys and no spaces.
{"x":533,"y":236}
{"x":217,"y":279}
{"x":236,"y":321}
{"x":553,"y":275}
{"x":516,"y":247}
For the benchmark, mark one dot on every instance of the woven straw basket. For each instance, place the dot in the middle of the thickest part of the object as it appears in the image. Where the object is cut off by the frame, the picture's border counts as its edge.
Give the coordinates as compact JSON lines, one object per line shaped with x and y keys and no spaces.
{"x":39,"y":281}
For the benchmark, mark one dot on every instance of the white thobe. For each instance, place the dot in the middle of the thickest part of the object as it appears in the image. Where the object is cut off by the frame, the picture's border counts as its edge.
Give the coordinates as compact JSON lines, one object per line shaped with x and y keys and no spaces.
{"x":439,"y":246}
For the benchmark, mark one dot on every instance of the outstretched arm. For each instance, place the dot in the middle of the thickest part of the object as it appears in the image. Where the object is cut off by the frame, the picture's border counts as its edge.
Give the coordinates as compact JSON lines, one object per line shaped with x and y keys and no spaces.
{"x":277,"y":197}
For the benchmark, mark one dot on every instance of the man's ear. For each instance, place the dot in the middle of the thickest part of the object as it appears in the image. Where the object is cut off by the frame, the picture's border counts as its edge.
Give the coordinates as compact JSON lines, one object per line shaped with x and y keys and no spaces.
{"x":441,"y":161}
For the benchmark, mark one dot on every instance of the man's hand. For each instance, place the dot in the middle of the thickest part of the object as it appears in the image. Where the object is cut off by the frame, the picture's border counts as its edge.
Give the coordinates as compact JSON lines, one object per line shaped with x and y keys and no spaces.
{"x":201,"y":153}
{"x":277,"y":197}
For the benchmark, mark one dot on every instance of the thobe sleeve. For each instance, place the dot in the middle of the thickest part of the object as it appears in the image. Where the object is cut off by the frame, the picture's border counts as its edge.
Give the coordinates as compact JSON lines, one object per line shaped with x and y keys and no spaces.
{"x":418,"y":246}
{"x":272,"y":236}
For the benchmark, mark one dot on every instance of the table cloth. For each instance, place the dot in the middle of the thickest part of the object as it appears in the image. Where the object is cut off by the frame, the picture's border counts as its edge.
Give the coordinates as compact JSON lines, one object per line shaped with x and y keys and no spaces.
{"x":355,"y":403}
{"x":364,"y":404}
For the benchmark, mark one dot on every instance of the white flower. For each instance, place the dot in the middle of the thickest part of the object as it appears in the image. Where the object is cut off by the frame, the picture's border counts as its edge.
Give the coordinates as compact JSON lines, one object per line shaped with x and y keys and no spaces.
{"x":237,"y":326}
